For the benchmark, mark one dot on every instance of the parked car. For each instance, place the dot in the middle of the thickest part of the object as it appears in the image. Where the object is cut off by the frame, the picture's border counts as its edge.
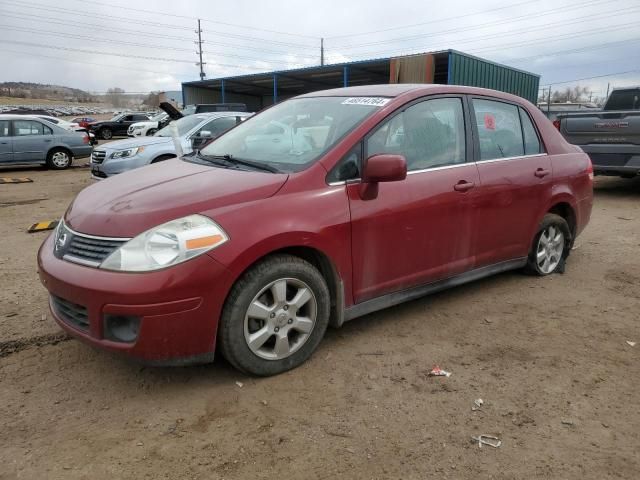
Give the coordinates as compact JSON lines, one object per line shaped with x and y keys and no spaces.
{"x":552,"y":110}
{"x":71,"y":126}
{"x":257,"y":250}
{"x":84,"y":121}
{"x":193,"y":132}
{"x":213,"y":107}
{"x":611,"y":137}
{"x":26,"y":139}
{"x":117,"y":126}
{"x":150,"y":127}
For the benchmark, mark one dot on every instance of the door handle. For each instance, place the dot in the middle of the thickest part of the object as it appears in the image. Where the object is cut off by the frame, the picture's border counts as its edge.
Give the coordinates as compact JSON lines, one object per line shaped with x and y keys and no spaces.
{"x":542,"y":172}
{"x":463,"y":186}
{"x":47,"y":140}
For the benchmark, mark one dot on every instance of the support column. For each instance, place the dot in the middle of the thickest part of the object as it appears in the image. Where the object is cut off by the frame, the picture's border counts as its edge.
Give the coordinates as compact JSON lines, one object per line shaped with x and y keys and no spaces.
{"x":222,"y":90}
{"x":275,"y":89}
{"x":345,"y":76}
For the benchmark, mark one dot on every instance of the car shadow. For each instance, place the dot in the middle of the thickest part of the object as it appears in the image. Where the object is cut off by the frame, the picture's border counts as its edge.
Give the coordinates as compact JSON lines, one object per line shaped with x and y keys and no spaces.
{"x":616,"y":187}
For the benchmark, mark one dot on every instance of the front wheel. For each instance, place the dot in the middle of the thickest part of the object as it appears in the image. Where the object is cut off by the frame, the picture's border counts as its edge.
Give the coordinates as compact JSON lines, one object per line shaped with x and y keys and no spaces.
{"x":275,"y":316}
{"x":151,"y":132}
{"x":550,"y":246}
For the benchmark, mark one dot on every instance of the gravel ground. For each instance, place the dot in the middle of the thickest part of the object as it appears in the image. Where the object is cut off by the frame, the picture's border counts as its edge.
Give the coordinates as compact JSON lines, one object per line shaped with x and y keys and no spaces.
{"x":547,"y":355}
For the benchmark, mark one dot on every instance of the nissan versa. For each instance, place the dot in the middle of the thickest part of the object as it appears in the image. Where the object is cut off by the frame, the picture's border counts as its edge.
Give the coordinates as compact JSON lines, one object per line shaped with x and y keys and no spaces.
{"x":320,"y":209}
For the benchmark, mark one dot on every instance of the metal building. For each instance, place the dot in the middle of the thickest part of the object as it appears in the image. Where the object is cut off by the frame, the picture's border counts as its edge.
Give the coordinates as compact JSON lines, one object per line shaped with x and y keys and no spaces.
{"x":445,"y":67}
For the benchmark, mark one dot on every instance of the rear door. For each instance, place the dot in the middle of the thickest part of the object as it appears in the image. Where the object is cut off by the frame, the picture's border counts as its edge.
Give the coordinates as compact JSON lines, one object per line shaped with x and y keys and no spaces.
{"x":418,"y":230}
{"x":515,"y":178}
{"x":6,"y":142}
{"x":31,"y":140}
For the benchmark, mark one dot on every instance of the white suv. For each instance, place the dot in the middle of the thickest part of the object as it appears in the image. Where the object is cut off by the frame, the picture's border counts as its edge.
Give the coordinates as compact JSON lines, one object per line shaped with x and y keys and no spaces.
{"x":149,"y":127}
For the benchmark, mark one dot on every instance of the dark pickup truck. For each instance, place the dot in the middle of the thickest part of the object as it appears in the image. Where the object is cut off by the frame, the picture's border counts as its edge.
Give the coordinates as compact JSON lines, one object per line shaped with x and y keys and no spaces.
{"x":611,"y":137}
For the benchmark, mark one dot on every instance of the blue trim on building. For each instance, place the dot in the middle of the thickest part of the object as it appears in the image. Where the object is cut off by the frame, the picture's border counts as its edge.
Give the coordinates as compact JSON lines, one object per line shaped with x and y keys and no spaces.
{"x":449,"y":67}
{"x":222,"y":90}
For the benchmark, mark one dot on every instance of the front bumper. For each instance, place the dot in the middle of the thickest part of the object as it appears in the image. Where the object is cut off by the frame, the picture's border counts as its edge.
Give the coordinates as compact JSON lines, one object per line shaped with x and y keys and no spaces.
{"x":114,"y":166}
{"x":178,"y":307}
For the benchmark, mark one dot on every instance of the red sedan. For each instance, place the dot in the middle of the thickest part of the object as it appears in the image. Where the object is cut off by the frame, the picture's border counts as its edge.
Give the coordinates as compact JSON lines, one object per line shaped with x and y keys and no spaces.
{"x":316,"y":211}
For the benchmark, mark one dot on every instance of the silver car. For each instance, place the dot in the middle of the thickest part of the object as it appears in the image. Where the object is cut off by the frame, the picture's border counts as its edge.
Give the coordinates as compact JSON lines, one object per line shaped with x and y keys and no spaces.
{"x":191,"y":133}
{"x":29,"y":139}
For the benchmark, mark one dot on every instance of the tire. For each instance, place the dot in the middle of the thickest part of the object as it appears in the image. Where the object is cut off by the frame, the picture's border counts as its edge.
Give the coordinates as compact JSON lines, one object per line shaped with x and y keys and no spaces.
{"x":162,"y":158}
{"x":551,"y":246}
{"x":59,"y":159}
{"x":151,"y":132}
{"x":106,"y":134}
{"x":260,"y":288}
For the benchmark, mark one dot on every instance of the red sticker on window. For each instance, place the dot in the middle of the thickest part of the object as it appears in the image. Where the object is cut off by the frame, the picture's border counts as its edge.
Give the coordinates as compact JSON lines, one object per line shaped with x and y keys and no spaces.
{"x":489,"y":121}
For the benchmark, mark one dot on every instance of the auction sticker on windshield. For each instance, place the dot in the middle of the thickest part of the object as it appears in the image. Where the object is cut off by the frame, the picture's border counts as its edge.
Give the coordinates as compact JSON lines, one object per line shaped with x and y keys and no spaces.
{"x":372,"y":101}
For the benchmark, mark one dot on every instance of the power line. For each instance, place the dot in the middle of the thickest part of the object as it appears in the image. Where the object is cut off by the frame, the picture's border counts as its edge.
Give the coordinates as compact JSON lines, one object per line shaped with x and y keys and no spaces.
{"x":439,"y":20}
{"x":513,"y":32}
{"x":590,"y":78}
{"x":123,"y":42}
{"x":148,"y":23}
{"x":84,"y":25}
{"x":210,"y":21}
{"x":477,"y":27}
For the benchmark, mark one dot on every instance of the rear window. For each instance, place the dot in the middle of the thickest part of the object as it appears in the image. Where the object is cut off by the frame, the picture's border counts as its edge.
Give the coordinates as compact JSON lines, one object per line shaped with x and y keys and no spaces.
{"x":623,"y":100}
{"x":499,"y":130}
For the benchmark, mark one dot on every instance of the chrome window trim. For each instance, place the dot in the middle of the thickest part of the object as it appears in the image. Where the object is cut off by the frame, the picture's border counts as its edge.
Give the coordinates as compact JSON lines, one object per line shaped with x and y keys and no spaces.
{"x":446,"y":167}
{"x":86,"y":235}
{"x":493,"y":160}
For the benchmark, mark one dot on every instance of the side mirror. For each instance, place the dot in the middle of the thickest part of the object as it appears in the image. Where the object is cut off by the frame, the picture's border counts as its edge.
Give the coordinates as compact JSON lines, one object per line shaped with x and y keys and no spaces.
{"x":384,"y":168}
{"x":205,"y":134}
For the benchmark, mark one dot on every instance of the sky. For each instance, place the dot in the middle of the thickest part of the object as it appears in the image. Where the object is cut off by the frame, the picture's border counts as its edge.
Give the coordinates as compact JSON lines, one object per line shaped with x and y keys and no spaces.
{"x":150,"y":46}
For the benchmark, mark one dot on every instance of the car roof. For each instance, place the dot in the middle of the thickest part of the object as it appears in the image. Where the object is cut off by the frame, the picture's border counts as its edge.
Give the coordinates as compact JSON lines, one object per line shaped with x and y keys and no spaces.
{"x":397,"y":89}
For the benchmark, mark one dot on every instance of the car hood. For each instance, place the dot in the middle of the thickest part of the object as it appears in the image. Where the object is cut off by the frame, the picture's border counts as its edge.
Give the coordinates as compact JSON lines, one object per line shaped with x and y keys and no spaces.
{"x":133,"y":142}
{"x":170,"y":110}
{"x":130,"y":203}
{"x":144,"y":124}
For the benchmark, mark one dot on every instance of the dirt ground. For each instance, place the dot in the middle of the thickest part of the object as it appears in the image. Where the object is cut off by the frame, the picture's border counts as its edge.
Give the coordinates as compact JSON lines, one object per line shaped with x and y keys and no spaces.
{"x":547,"y":355}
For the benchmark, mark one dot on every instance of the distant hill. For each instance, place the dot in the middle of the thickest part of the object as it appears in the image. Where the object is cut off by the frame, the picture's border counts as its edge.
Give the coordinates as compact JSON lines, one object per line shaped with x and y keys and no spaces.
{"x":28,"y":90}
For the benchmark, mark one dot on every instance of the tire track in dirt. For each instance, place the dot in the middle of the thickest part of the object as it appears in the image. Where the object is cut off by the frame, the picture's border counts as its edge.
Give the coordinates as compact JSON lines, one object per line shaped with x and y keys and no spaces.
{"x":14,"y":346}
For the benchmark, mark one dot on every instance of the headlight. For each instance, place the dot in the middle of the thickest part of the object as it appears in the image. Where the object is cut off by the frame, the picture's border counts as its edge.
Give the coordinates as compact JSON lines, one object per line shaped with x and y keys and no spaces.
{"x":168,"y":244}
{"x":130,"y":152}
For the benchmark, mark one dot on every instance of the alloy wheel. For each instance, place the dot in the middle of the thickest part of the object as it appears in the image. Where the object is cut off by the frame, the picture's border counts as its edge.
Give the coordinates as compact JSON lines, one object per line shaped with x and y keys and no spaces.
{"x":280,"y":319}
{"x":550,"y":249}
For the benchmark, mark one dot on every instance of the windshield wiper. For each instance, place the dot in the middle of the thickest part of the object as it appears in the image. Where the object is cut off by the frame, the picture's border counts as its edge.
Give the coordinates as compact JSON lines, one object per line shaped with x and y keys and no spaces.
{"x":248,"y":163}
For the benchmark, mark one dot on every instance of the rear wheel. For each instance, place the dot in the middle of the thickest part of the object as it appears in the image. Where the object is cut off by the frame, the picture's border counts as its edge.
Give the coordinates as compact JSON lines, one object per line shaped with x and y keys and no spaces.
{"x":58,"y":159}
{"x":275,"y":316}
{"x":106,"y":134}
{"x":550,"y":246}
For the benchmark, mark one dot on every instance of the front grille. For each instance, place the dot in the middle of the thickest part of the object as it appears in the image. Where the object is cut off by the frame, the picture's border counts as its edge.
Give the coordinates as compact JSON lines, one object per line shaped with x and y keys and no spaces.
{"x":97,"y":156}
{"x":84,"y":249}
{"x":90,"y":250}
{"x":71,"y":313}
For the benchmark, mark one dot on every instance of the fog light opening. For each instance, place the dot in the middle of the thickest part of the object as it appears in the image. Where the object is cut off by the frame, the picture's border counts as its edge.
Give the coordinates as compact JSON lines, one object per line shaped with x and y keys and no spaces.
{"x":121,"y":328}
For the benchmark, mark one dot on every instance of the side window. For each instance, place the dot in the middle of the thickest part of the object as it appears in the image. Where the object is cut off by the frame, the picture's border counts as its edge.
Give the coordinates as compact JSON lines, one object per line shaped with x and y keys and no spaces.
{"x":220,"y":125}
{"x":128,"y":118}
{"x":531,"y":141}
{"x":46,"y":130}
{"x":499,"y":131}
{"x":140,"y":118}
{"x":4,"y":128}
{"x":429,"y":134}
{"x":348,"y":167}
{"x":23,"y":128}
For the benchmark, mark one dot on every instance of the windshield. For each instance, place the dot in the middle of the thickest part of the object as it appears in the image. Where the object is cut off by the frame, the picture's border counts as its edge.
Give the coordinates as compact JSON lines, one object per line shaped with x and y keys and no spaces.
{"x":295,"y":133}
{"x":184,"y":125}
{"x":117,"y":117}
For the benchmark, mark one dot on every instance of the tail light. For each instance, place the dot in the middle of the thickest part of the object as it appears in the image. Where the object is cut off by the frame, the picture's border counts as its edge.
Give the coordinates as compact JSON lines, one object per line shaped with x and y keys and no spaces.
{"x":590,"y":170}
{"x":86,"y":139}
{"x":556,"y":123}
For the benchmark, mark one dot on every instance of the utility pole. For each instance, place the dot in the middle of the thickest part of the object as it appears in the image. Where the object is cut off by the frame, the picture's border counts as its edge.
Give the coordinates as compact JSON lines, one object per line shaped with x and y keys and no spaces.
{"x":199,"y":52}
{"x":608,"y":85}
{"x":322,"y":51}
{"x":549,"y":100}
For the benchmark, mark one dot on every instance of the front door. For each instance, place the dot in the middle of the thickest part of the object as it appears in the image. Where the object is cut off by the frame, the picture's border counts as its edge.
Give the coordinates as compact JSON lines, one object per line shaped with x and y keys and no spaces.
{"x":31,"y":140}
{"x":418,"y":230}
{"x":6,"y":142}
{"x":515,"y":178}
